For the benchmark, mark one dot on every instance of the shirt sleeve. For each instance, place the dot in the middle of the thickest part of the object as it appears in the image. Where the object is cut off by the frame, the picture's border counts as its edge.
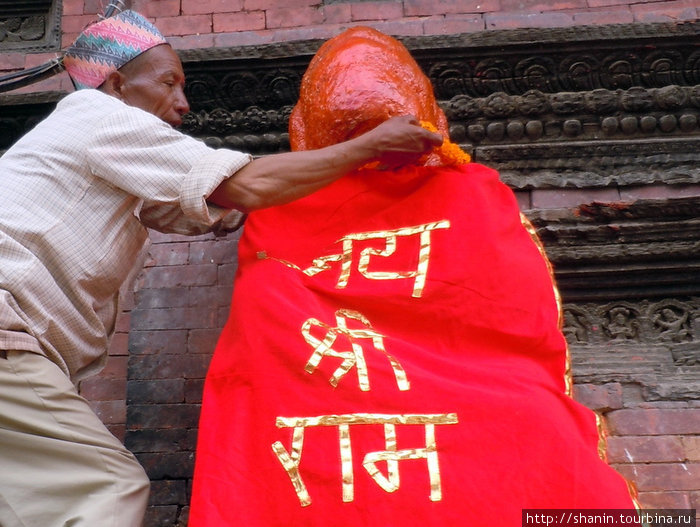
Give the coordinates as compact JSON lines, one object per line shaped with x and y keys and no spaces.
{"x":171,"y":172}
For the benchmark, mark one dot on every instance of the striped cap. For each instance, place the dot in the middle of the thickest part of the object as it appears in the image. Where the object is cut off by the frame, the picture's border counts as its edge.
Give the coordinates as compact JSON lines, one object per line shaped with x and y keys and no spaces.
{"x":107,"y":45}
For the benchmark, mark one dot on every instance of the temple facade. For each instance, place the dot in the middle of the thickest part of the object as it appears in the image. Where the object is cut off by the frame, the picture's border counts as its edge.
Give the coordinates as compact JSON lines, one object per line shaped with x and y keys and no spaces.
{"x":590,"y":111}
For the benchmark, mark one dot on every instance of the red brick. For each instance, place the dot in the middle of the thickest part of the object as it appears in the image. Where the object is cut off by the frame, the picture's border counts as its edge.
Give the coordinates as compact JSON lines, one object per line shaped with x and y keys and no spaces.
{"x":162,"y":237}
{"x":523,"y":199}
{"x":48,"y":85}
{"x":65,"y":84}
{"x":222,"y":316}
{"x":192,"y":41}
{"x":184,"y":25}
{"x":110,"y":412}
{"x":320,"y":32}
{"x":169,"y":366}
{"x":117,"y":430}
{"x":165,"y":416}
{"x":555,"y":198}
{"x":115,"y":368}
{"x":123,"y":323}
{"x":539,"y":5}
{"x":514,"y":21}
{"x":256,"y":5}
{"x":11,"y":61}
{"x":621,"y":16}
{"x":450,"y":24}
{"x":153,"y":342}
{"x":601,"y":3}
{"x":653,"y":421}
{"x":35,"y":59}
{"x":376,"y":11}
{"x":664,"y":500}
{"x":405,"y":27}
{"x":162,"y":391}
{"x":177,"y":465}
{"x":98,"y":389}
{"x":645,"y":449}
{"x":76,"y":23}
{"x":293,"y":17}
{"x":162,"y":298}
{"x":691,"y":445}
{"x":210,"y":296}
{"x":438,"y":7}
{"x":336,"y":13}
{"x":662,"y":5}
{"x":662,"y":476}
{"x":668,"y":15}
{"x":219,"y":251}
{"x":695,"y":501}
{"x":202,"y":340}
{"x":127,"y":302}
{"x":599,"y":397}
{"x":93,"y":7}
{"x":659,"y":192}
{"x":243,"y":21}
{"x":664,"y":11}
{"x":169,"y":254}
{"x":72,"y":7}
{"x":193,"y":390}
{"x":119,"y":345}
{"x":243,"y":38}
{"x":156,"y":8}
{"x":68,"y":38}
{"x":226,"y":273}
{"x":200,"y":7}
{"x":178,"y":275}
{"x":174,"y":318}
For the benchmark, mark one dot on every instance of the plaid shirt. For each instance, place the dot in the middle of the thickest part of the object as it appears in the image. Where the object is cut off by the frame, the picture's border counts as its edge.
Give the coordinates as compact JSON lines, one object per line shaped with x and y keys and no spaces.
{"x":77,"y":194}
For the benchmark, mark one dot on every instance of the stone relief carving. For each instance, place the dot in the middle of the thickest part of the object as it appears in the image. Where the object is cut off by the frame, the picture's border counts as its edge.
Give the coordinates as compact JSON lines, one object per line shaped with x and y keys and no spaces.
{"x":652,"y":344}
{"x":667,"y":321}
{"x":18,"y":29}
{"x":599,"y":107}
{"x":30,"y":25}
{"x":526,"y":125}
{"x":575,"y":71}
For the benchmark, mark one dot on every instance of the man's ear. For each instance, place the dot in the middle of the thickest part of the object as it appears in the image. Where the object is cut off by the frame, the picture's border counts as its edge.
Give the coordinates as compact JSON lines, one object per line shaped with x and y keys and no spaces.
{"x":113,"y":84}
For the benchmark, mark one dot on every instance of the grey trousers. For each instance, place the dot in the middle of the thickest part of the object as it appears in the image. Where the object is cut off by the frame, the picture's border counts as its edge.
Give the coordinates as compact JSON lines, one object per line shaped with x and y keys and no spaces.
{"x":59,"y":465}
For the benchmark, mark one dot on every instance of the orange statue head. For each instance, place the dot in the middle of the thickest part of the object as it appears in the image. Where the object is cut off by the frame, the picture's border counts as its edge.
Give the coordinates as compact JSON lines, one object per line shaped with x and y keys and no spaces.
{"x":355,"y":81}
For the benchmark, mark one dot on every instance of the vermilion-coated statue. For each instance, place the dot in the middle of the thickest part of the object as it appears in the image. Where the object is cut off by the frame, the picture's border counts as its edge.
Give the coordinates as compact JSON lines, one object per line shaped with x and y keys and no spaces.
{"x":393,"y":354}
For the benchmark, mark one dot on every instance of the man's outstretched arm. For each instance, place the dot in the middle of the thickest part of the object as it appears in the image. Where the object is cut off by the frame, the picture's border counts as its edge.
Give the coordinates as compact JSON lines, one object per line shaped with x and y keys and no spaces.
{"x":280,"y":178}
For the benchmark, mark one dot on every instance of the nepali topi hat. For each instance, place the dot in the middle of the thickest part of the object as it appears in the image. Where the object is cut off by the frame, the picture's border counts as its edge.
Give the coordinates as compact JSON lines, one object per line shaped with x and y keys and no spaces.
{"x":107,"y":45}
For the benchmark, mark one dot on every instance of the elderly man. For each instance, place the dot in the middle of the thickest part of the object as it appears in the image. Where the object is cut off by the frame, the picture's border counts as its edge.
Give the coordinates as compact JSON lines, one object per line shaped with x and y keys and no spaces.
{"x":76,"y":196}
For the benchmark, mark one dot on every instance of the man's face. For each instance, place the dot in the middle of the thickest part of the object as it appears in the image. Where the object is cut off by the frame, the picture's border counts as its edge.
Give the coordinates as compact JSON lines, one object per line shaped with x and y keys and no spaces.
{"x":154,"y":81}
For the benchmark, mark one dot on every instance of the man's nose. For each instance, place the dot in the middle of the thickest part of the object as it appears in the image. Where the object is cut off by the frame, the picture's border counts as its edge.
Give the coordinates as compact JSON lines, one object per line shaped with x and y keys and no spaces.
{"x":181,"y":105}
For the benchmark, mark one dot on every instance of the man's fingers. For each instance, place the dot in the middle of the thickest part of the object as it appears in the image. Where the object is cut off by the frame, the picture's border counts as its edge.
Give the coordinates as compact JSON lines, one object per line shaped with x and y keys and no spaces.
{"x":435,"y":139}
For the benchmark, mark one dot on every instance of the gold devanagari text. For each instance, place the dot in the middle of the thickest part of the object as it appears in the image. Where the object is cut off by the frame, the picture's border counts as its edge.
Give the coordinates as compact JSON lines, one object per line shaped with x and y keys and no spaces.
{"x":390,"y":237}
{"x":291,"y":460}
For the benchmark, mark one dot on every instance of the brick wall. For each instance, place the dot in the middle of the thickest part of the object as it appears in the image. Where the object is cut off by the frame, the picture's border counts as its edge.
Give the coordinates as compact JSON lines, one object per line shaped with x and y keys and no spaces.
{"x":158,"y":358}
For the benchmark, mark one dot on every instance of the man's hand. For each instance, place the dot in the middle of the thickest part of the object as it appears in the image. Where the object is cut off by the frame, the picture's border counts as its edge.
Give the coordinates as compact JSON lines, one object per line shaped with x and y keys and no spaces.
{"x":280,"y":178}
{"x":400,"y":141}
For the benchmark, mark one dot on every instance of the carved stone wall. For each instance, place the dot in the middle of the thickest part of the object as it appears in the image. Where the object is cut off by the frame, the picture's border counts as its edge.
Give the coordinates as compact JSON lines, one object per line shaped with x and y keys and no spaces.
{"x":583,"y":112}
{"x":30,"y":25}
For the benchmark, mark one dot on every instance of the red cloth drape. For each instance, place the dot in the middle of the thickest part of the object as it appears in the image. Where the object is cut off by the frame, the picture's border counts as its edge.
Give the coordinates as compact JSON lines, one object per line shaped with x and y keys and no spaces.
{"x":393,"y":358}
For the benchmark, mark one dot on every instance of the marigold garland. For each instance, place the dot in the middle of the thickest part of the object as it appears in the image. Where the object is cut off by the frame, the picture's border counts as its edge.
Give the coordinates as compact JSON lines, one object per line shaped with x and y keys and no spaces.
{"x":450,"y":154}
